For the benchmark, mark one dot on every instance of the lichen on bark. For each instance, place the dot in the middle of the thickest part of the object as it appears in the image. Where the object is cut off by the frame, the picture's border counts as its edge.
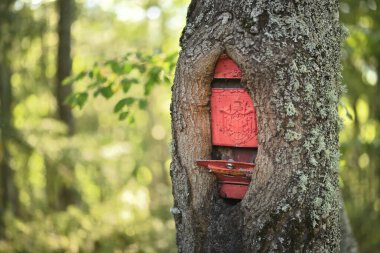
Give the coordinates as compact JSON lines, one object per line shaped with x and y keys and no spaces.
{"x":289,"y":53}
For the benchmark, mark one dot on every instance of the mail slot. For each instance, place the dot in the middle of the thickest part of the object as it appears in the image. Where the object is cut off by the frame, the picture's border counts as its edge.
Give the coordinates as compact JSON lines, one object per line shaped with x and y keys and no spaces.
{"x":233,"y":130}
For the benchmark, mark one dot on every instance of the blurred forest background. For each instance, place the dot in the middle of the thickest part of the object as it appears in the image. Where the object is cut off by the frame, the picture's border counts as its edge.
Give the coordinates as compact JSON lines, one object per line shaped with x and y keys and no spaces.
{"x":85,"y":181}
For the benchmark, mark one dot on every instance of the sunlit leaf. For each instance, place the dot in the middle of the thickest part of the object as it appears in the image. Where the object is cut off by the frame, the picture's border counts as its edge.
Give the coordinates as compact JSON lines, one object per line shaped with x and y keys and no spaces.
{"x":123,"y":102}
{"x":72,"y":79}
{"x":106,"y":91}
{"x":77,"y":99}
{"x":127,"y":67}
{"x":115,"y":66}
{"x":131,"y":119}
{"x":151,"y":70}
{"x":82,"y":98}
{"x":126,"y":83}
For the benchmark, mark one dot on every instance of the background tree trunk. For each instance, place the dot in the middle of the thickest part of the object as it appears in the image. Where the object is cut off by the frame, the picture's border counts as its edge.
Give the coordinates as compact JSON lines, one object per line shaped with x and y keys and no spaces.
{"x":64,"y":62}
{"x":8,"y":190}
{"x":67,"y":194}
{"x":289,"y":52}
{"x":348,"y":243}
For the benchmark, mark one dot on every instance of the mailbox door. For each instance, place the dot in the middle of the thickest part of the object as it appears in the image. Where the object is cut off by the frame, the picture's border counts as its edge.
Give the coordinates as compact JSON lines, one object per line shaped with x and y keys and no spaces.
{"x":233,"y":118}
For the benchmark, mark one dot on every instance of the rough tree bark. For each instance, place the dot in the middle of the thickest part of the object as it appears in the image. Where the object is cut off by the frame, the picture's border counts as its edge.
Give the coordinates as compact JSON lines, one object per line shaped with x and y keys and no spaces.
{"x":289,"y":52}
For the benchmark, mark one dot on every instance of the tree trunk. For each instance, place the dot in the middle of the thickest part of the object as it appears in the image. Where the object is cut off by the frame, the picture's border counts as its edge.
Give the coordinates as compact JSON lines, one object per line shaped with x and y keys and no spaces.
{"x":67,"y":193}
{"x":289,"y":53}
{"x":348,"y":243}
{"x":64,"y":62}
{"x":8,"y":189}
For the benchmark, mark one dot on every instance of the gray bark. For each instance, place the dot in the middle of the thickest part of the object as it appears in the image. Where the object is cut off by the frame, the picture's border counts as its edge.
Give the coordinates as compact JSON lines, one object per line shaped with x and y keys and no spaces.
{"x":289,"y":52}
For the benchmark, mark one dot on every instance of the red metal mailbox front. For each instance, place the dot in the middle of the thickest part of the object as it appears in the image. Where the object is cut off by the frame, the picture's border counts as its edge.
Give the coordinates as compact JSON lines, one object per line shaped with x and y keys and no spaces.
{"x":233,"y":126}
{"x":227,"y":68}
{"x":233,"y":118}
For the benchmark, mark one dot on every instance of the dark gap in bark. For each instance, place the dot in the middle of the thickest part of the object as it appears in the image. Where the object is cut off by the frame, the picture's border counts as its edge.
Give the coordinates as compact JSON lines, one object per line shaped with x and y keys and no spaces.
{"x":263,"y":20}
{"x":226,"y":83}
{"x":247,"y":155}
{"x":231,"y":202}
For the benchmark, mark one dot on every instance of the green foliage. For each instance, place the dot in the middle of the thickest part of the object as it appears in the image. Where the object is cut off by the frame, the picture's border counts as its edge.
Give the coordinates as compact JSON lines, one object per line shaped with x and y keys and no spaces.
{"x":120,"y":171}
{"x":120,"y":76}
{"x":78,"y":99}
{"x":117,"y":172}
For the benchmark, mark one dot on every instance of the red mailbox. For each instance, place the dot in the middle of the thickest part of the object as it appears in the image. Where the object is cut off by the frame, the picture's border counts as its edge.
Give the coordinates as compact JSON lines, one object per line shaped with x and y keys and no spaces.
{"x":233,"y":118}
{"x":233,"y":129}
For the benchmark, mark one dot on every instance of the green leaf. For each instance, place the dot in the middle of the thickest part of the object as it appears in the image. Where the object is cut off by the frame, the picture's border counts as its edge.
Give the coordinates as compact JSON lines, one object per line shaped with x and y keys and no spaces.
{"x":127,"y":68}
{"x":126,"y":86}
{"x":123,"y":115}
{"x":126,"y":83}
{"x":115,"y":66}
{"x":68,"y":80}
{"x":146,"y":69}
{"x":94,"y":71}
{"x":100,"y":78}
{"x":92,"y":85}
{"x":70,"y":100}
{"x":171,"y":57}
{"x":141,"y":68}
{"x":149,"y":86}
{"x":167,"y":80}
{"x":82,"y":98}
{"x":72,"y":79}
{"x":155,"y":72}
{"x":172,"y":66}
{"x":131,"y":119}
{"x":143,"y":104}
{"x":123,"y":102}
{"x":77,"y":99}
{"x":106,"y":91}
{"x":80,"y":76}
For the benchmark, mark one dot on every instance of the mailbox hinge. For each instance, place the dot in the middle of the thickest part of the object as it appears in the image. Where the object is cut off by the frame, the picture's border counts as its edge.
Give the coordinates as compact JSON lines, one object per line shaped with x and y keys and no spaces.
{"x":233,"y":177}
